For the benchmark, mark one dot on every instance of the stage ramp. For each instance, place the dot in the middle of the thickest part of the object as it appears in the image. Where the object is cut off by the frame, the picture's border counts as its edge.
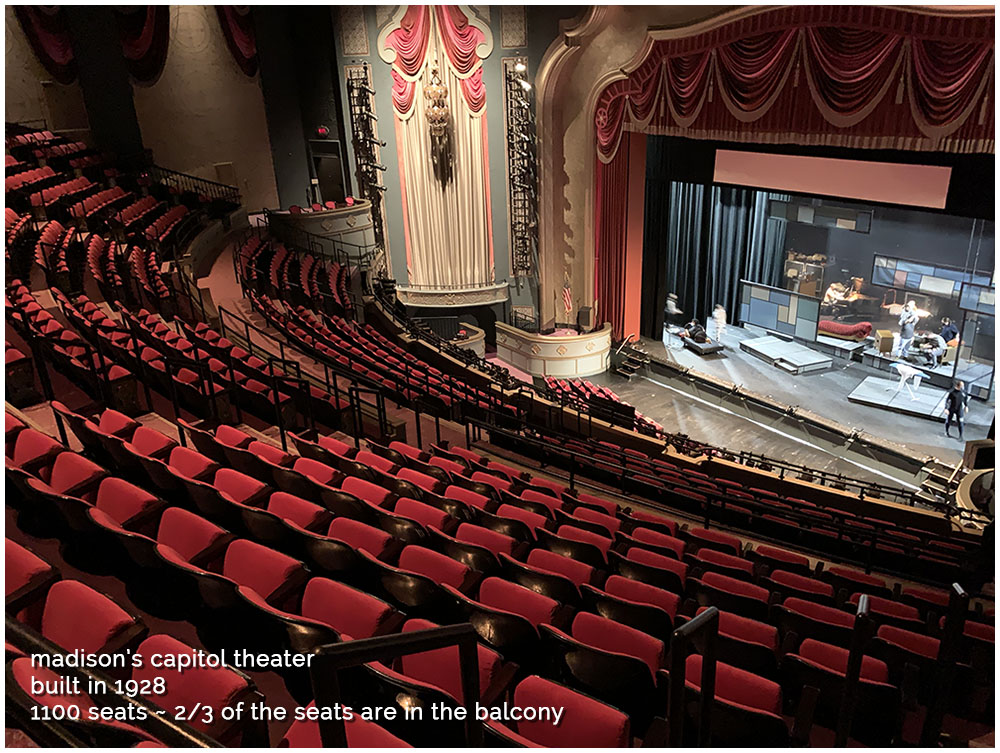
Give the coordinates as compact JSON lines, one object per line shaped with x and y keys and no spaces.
{"x":787,"y":355}
{"x":924,"y":402}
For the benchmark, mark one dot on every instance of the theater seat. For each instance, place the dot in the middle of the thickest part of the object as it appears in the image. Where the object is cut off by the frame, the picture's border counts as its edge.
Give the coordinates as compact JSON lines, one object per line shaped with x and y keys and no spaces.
{"x":586,"y":722}
{"x":78,"y":617}
{"x":304,"y":733}
{"x":352,"y":613}
{"x":434,"y":565}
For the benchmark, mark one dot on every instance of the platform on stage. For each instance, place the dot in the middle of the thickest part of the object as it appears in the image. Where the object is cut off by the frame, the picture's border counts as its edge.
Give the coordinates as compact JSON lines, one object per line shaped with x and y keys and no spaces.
{"x":924,"y":402}
{"x":788,"y":355}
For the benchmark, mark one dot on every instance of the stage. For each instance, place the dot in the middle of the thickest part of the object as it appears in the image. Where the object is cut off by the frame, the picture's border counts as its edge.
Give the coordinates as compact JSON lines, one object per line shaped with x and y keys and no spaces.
{"x":977,"y":376}
{"x":886,"y":394}
{"x":680,"y":403}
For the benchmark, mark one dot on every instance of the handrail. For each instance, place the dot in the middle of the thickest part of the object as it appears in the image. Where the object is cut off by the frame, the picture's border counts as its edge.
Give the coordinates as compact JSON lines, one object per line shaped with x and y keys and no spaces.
{"x":701,"y":632}
{"x":947,"y":659}
{"x":213,"y":189}
{"x":330,"y":660}
{"x":863,"y":630}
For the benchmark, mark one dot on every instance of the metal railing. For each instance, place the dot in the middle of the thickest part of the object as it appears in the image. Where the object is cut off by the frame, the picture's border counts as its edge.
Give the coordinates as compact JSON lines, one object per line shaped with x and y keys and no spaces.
{"x":184,"y":183}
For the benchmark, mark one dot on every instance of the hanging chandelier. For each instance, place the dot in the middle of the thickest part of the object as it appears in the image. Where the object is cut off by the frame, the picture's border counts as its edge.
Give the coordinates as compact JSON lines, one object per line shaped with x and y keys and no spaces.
{"x":437,"y":110}
{"x":439,"y":124}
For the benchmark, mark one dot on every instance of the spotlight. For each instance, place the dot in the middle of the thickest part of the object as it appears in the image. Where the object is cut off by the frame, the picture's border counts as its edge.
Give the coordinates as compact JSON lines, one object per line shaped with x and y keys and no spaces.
{"x":524,"y":85}
{"x":520,"y":67}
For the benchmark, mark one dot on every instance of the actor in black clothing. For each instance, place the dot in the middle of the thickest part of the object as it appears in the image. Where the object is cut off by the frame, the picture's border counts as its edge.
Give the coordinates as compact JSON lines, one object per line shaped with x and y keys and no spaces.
{"x":696,"y":332}
{"x":948,"y":330}
{"x":955,"y":403}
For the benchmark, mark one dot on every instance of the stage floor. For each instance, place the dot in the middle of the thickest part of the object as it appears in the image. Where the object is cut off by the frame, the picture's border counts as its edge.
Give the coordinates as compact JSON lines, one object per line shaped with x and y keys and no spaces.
{"x":824,"y":393}
{"x":924,"y":402}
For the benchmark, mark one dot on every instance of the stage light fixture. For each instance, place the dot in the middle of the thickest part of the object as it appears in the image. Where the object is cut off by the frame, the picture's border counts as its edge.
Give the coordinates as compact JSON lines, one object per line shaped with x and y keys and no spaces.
{"x":520,"y":67}
{"x":524,"y":84}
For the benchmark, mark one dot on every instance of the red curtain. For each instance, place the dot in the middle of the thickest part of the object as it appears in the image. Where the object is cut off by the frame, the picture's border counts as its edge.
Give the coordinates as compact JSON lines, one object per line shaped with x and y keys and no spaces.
{"x":237,"y":28}
{"x":144,"y":31}
{"x":611,"y":210}
{"x":45,"y":28}
{"x":409,"y":41}
{"x":855,"y":76}
{"x":460,"y":40}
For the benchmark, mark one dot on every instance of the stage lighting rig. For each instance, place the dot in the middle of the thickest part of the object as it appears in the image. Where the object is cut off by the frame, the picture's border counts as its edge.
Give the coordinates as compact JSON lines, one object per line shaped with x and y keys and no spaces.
{"x":361,"y":102}
{"x":522,"y":184}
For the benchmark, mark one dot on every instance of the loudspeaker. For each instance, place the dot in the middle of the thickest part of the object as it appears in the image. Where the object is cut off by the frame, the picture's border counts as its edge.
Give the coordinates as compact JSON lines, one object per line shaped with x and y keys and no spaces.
{"x":585,"y":319}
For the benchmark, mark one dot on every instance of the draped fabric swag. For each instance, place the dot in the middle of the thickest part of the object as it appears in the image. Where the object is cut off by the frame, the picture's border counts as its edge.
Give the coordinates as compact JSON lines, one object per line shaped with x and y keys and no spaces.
{"x":448,"y":230}
{"x":852,"y":76}
{"x":47,"y":33}
{"x":144,"y":31}
{"x":237,"y":28}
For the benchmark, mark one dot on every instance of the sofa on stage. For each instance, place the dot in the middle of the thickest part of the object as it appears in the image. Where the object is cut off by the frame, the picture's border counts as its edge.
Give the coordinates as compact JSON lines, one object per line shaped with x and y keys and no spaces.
{"x":858,"y":331}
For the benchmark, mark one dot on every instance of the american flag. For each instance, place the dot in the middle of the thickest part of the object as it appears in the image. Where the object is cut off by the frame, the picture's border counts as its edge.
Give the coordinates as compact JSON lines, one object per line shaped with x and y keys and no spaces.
{"x":567,"y":298}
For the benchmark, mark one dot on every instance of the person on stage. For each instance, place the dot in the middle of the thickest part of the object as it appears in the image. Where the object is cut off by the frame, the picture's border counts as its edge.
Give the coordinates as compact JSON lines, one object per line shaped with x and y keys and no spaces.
{"x":908,"y":319}
{"x":955,"y":403}
{"x":719,"y":317}
{"x":949,"y":332}
{"x":695,"y":331}
{"x":933,"y":349}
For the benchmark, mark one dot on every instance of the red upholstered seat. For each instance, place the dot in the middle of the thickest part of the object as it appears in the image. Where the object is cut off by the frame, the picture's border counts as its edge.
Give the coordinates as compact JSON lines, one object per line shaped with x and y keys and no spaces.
{"x":720,"y":560}
{"x":494,"y":541}
{"x":862,"y":579}
{"x":737,"y":686}
{"x":709,"y":537}
{"x":215,"y":688}
{"x":238,"y":486}
{"x":745,"y":629}
{"x":186,"y":533}
{"x":366,"y":490}
{"x":643,"y":593}
{"x":191,"y":464}
{"x":122,"y":500}
{"x":578,"y":572}
{"x":375,"y":461}
{"x":735,"y":586}
{"x":611,"y":508}
{"x":586,"y":722}
{"x":779,"y":556}
{"x":421,"y":512}
{"x":113,"y":422}
{"x":609,"y":522}
{"x":257,"y":567}
{"x":359,"y":535}
{"x":72,"y":473}
{"x":441,"y":667}
{"x":495,"y":481}
{"x":801,"y":583}
{"x":232,"y":437}
{"x":889,"y":607}
{"x":468,"y":496}
{"x":270,"y":453}
{"x":295,"y":509}
{"x":609,"y":635}
{"x":531,"y":519}
{"x":31,"y":446}
{"x":819,"y":612}
{"x":453,"y":467}
{"x":151,"y":443}
{"x":319,"y":472}
{"x":979,"y":630}
{"x":510,"y":597}
{"x":21,"y":566}
{"x":428,"y":483}
{"x":342,"y":449}
{"x":78,"y":617}
{"x":352,"y":613}
{"x":835,"y":658}
{"x":360,"y":734}
{"x":577,"y":534}
{"x":655,"y":538}
{"x":546,"y":500}
{"x":436,"y":566}
{"x":915,"y":643}
{"x":645,"y":557}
